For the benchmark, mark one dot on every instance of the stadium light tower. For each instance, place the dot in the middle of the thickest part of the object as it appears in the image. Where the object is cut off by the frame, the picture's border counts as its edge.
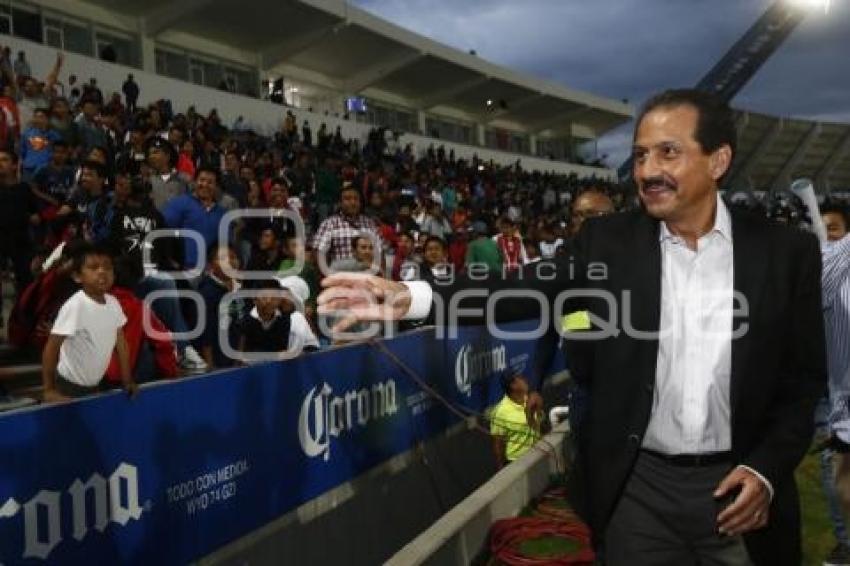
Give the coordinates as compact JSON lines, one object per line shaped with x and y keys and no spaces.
{"x":811,"y":4}
{"x":749,"y":53}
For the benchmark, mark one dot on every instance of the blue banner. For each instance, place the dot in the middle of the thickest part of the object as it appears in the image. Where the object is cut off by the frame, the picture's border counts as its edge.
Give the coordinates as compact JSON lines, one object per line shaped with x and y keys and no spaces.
{"x":193,"y":464}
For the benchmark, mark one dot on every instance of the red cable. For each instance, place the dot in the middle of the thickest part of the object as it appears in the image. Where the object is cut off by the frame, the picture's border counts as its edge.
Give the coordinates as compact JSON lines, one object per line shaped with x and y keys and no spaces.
{"x":507,"y":534}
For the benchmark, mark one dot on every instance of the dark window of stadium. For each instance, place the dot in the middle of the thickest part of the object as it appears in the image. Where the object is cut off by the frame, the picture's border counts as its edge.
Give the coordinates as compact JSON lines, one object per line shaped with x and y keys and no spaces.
{"x":67,"y":35}
{"x":26,"y":23}
{"x":116,"y":48}
{"x":5,"y":20}
{"x":172,"y":64}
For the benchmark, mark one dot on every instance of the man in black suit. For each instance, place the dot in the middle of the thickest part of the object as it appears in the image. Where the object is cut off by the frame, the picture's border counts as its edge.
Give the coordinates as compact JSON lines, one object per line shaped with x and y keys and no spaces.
{"x":709,"y":360}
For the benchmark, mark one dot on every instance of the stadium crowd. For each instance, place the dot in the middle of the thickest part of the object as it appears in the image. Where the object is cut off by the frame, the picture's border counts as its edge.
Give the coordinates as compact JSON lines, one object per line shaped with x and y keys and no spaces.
{"x":83,"y":173}
{"x":89,"y":176}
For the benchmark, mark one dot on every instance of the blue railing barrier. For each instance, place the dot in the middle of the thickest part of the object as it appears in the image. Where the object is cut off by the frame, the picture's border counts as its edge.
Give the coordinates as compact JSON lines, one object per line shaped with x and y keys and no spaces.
{"x":191,"y":464}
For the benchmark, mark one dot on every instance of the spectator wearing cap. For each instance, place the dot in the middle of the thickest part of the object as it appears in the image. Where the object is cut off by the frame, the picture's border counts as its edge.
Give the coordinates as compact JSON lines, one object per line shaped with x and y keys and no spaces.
{"x":297,"y":305}
{"x":336,"y":234}
{"x":198,"y":211}
{"x":89,"y":207}
{"x":483,"y":251}
{"x":165,"y":182}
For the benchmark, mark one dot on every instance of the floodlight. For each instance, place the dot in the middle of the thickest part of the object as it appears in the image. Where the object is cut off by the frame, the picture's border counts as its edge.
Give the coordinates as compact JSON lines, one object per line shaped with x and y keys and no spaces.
{"x":811,"y":4}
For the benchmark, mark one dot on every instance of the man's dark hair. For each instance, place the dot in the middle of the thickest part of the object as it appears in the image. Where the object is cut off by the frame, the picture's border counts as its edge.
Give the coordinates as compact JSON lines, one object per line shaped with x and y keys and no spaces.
{"x":45,"y":111}
{"x":95,"y":166}
{"x":60,"y":143}
{"x":10,"y":152}
{"x":716,"y":122}
{"x":507,"y":380}
{"x":350,"y":188}
{"x":86,"y":249}
{"x":279,"y":181}
{"x":836,"y":209}
{"x":358,"y":237}
{"x":437,"y":239}
{"x":207,"y":169}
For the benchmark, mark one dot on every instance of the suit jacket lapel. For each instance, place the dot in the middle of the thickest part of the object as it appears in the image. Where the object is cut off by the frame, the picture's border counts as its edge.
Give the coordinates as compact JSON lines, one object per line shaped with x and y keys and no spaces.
{"x":645,"y":287}
{"x":749,"y":249}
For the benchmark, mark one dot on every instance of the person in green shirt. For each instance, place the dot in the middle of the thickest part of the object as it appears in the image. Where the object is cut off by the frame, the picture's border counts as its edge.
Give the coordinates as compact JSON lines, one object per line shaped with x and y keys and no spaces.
{"x":512,"y":428}
{"x":293,"y":248}
{"x":483,"y":250}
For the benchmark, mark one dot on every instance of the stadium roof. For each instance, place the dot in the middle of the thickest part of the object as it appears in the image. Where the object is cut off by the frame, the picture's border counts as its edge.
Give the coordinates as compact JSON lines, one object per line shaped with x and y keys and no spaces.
{"x":359,"y":51}
{"x":772,"y":151}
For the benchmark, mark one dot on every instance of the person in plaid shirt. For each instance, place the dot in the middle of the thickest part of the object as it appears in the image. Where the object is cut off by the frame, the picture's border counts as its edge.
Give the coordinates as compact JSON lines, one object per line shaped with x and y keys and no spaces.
{"x":335,"y":234}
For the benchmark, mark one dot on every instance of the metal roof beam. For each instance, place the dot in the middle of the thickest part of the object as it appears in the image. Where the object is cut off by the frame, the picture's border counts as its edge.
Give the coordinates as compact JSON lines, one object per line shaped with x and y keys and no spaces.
{"x":372,"y":74}
{"x":745,"y":169}
{"x":822,"y":178}
{"x":783,"y":179}
{"x":160,"y":19}
{"x":446,"y":94}
{"x":277,"y":52}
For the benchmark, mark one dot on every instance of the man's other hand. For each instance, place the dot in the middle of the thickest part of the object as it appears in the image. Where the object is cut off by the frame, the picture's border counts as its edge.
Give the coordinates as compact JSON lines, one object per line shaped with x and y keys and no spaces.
{"x":749,"y":510}
{"x":363,"y":298}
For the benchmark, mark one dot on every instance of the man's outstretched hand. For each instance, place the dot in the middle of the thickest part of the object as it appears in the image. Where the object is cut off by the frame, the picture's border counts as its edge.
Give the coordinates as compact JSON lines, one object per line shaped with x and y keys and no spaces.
{"x":363,"y":298}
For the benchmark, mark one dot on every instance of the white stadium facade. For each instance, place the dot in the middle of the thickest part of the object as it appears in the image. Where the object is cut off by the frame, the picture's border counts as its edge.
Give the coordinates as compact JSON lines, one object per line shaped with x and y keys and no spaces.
{"x":324,"y":52}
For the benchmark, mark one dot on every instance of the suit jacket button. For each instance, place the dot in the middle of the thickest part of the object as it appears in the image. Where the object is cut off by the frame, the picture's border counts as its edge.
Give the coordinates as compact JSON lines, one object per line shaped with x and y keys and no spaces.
{"x":649,"y":387}
{"x":634,"y":439}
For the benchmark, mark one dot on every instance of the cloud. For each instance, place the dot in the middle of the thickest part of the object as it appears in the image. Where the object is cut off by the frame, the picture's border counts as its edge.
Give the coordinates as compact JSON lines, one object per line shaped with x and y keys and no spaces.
{"x":633,"y":48}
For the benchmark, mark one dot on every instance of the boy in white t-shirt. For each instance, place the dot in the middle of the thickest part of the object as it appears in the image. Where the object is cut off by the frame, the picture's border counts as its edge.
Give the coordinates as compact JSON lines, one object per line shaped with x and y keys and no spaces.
{"x":87,"y":329}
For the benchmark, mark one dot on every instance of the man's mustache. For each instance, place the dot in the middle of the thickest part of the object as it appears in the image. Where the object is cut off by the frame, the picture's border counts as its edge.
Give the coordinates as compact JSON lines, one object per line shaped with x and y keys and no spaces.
{"x":659,"y":181}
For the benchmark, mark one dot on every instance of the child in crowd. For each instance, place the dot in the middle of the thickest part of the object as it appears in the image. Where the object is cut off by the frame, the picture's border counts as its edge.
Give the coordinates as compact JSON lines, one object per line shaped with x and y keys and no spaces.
{"x":265,"y":330}
{"x":513,"y":429}
{"x":214,"y":285}
{"x":86,"y":331}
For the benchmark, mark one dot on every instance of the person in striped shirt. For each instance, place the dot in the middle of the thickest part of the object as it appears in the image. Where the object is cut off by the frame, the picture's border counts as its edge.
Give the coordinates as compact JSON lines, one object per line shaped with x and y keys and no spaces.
{"x":833,"y":415}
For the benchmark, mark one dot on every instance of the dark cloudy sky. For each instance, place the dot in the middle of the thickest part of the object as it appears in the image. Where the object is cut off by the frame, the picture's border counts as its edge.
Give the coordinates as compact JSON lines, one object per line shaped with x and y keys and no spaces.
{"x":631,"y":48}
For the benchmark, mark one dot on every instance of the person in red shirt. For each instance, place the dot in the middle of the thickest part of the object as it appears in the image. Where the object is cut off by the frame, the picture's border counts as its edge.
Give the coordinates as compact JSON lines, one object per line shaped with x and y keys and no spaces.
{"x":510,"y":245}
{"x":403,"y":252}
{"x":186,"y":160}
{"x":157,"y":343}
{"x":458,"y":247}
